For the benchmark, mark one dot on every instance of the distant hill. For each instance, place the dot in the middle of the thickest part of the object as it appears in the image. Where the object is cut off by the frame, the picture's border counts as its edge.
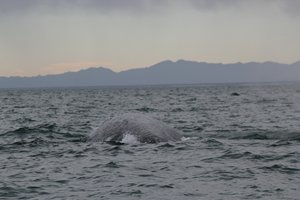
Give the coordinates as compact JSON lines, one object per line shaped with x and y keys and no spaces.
{"x":166,"y":72}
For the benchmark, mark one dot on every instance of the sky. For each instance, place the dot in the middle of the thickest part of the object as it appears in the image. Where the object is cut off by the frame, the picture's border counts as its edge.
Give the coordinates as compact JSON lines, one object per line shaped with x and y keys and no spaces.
{"x":39,"y":37}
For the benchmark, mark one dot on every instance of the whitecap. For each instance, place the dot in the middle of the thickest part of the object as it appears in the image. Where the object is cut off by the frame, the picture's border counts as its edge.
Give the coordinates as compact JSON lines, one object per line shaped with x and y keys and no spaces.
{"x":129,"y":139}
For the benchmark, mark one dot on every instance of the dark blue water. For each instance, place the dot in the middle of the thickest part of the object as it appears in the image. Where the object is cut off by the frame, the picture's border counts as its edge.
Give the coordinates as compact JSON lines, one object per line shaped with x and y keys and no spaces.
{"x":244,"y":146}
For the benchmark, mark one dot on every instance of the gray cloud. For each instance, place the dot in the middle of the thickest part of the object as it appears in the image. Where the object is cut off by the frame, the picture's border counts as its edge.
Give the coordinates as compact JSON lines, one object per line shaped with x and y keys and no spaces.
{"x":291,"y":7}
{"x":25,"y":6}
{"x":288,"y":6}
{"x":13,"y":6}
{"x":214,"y":4}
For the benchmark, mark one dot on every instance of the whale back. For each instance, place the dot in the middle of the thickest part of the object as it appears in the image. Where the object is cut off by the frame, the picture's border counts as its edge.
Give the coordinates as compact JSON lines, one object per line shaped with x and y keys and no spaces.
{"x":145,"y":129}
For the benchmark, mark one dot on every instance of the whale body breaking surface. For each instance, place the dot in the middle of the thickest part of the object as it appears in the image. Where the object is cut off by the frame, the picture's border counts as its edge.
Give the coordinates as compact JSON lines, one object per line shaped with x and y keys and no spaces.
{"x":134,"y":127}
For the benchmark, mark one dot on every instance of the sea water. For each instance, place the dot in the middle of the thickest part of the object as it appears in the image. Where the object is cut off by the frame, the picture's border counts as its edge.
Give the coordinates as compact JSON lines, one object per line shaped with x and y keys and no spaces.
{"x":241,"y":142}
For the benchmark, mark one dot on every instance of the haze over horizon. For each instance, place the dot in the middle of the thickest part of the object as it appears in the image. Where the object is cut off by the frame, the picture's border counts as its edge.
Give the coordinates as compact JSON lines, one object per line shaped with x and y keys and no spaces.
{"x":56,"y":36}
{"x":85,"y":68}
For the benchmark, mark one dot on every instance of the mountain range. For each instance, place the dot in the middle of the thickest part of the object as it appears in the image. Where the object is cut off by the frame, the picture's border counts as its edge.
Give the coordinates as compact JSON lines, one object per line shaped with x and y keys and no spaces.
{"x":166,"y":72}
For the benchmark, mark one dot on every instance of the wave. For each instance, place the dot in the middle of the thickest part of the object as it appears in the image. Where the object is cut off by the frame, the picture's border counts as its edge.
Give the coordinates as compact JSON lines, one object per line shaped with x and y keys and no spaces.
{"x":257,"y":135}
{"x":230,"y":154}
{"x":38,"y":135}
{"x":270,"y":135}
{"x":281,"y":168}
{"x":146,"y":109}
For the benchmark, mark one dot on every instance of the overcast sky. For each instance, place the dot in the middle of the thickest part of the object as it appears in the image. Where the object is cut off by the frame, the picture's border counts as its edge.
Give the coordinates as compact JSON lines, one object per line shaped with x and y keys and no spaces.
{"x":54,"y":36}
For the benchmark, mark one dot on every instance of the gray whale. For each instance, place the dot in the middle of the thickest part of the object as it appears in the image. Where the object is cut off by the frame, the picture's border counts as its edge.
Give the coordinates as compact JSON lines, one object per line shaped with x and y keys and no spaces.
{"x":142,"y":128}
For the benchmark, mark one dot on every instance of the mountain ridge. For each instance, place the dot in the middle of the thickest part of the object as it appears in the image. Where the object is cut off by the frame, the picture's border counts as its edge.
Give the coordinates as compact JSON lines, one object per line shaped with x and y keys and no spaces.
{"x":165,"y":72}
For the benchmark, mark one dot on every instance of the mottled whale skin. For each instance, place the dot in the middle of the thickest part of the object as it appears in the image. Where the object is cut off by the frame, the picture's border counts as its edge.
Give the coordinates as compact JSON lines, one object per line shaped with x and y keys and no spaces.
{"x":144,"y":129}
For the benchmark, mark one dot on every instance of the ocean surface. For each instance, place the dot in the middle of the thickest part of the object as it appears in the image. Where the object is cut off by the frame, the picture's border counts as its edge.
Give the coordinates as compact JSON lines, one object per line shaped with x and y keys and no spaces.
{"x":243,"y":142}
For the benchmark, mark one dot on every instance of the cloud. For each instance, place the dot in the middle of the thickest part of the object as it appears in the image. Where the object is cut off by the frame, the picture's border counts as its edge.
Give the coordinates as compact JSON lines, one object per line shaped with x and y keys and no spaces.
{"x":140,"y":6}
{"x":292,"y":7}
{"x":214,"y":4}
{"x":7,"y":6}
{"x":24,"y":6}
{"x":287,"y":7}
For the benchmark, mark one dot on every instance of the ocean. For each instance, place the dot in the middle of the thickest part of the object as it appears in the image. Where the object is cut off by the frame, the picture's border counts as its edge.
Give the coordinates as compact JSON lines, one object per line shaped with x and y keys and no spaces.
{"x":242,"y":142}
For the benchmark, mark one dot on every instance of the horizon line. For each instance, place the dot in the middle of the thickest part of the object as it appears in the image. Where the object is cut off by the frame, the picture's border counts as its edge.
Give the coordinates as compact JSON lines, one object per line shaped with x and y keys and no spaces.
{"x":143,"y":67}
